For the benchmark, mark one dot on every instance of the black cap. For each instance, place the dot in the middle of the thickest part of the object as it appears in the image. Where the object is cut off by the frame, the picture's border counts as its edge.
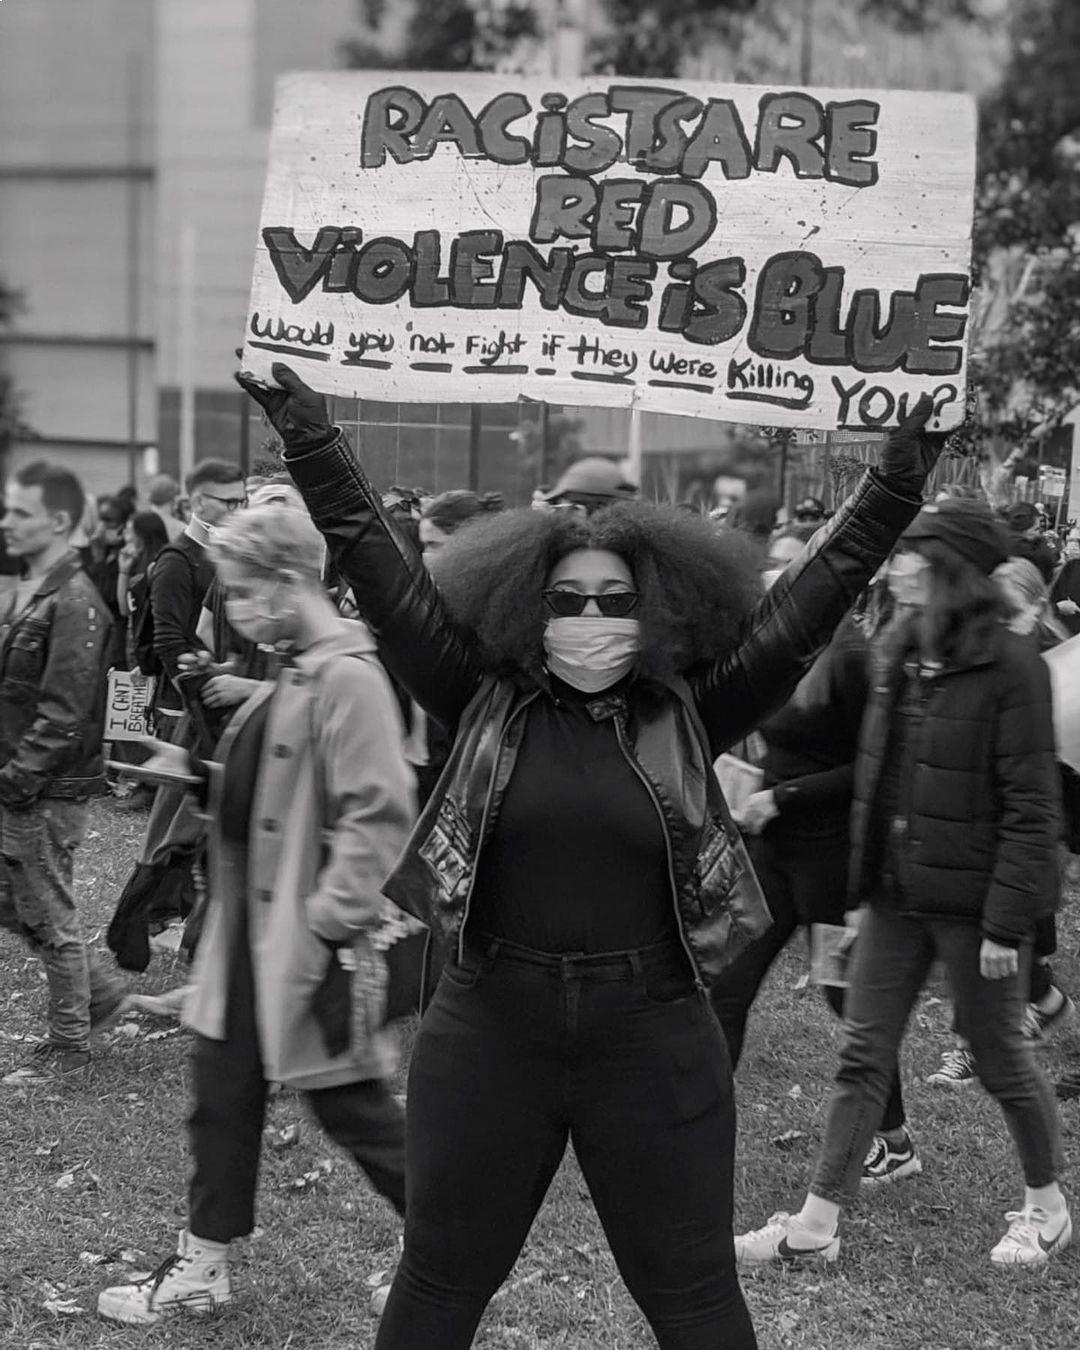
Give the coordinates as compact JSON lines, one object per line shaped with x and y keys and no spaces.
{"x":968,"y":527}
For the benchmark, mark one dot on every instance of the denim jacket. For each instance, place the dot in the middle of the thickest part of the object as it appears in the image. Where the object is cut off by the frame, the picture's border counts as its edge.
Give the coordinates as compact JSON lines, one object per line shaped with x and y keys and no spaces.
{"x":52,"y":690}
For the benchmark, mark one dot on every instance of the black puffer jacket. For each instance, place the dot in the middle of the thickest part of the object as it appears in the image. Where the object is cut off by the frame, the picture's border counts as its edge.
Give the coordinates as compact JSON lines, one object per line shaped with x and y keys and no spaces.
{"x":53,"y":659}
{"x":668,"y":735}
{"x":979,"y":820}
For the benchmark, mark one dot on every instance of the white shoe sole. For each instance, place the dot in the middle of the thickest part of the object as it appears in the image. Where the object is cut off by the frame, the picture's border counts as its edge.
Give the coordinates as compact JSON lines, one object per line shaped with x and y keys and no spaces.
{"x":1040,"y":1259}
{"x":911,"y":1168}
{"x":793,"y":1257}
{"x":953,"y":1084}
{"x":133,"y":1313}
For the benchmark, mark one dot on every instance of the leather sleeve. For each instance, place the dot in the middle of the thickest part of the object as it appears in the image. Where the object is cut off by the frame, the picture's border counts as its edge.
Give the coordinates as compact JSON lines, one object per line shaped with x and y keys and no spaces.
{"x":792,"y":623}
{"x":418,"y":642}
{"x":79,"y":636}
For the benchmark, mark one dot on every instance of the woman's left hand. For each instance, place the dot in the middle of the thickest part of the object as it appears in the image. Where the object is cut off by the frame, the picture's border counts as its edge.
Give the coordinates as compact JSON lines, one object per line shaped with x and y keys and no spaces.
{"x":997,"y":961}
{"x":911,"y":451}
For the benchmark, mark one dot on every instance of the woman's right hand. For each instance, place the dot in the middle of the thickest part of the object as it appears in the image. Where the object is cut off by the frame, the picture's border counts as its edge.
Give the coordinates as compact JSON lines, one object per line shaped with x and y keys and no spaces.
{"x":296,"y":411}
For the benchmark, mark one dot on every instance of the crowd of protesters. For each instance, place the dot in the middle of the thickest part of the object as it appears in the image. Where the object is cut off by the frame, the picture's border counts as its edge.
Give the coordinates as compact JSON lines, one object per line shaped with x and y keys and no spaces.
{"x":393,"y":722}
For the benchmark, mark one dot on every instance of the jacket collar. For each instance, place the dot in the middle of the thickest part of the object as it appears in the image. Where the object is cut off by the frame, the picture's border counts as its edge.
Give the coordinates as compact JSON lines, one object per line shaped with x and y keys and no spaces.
{"x":62,"y":570}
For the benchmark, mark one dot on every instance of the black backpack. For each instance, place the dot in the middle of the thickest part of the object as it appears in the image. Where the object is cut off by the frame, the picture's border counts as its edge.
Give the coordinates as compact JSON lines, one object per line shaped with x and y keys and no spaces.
{"x":142,"y":618}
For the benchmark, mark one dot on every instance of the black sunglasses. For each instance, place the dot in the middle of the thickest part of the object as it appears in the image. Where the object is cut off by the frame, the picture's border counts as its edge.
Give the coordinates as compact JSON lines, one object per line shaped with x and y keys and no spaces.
{"x":571,"y":604}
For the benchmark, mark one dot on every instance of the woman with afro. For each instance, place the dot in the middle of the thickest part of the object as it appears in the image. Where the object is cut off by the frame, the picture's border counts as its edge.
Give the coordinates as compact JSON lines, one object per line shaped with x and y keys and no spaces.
{"x":579,"y":862}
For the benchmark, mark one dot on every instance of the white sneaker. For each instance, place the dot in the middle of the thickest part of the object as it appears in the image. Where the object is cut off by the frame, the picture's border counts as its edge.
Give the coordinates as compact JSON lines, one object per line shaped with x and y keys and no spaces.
{"x":194,"y":1280}
{"x":770,"y":1244}
{"x":1033,"y":1237}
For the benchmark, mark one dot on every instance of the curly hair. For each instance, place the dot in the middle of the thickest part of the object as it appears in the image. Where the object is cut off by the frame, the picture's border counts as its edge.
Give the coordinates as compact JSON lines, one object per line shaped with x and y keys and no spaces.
{"x":696,"y":586}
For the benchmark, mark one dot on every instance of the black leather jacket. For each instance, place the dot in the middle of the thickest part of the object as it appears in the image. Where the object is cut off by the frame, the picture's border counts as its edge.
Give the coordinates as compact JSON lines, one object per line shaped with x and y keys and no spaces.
{"x":669,"y":734}
{"x":52,"y":690}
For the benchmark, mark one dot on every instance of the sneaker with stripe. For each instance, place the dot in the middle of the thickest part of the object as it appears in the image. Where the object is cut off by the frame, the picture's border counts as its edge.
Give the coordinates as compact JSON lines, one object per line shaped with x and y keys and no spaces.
{"x":887,"y":1162}
{"x":1033,"y":1237}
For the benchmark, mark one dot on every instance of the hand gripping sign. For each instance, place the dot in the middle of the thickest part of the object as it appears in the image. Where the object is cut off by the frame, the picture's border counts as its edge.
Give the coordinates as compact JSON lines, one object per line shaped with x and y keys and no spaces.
{"x":797,"y":257}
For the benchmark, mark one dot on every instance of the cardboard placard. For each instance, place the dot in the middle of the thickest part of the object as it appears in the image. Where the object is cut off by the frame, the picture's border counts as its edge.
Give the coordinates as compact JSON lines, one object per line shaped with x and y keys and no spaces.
{"x":1064,"y":663}
{"x":129,"y":700}
{"x":793,"y":257}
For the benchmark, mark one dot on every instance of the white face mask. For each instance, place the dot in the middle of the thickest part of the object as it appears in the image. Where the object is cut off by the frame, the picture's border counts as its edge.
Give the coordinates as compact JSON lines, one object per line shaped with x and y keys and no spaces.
{"x":591,"y":653}
{"x":254,"y":617}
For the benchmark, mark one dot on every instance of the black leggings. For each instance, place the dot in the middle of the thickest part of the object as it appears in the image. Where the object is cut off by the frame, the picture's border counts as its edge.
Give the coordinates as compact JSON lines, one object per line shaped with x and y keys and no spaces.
{"x":805,"y":882}
{"x":621,"y":1055}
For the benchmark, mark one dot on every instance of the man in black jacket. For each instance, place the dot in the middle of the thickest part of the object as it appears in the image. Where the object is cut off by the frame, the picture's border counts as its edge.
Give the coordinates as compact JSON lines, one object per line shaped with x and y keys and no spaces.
{"x":54,"y":643}
{"x":162,"y":887}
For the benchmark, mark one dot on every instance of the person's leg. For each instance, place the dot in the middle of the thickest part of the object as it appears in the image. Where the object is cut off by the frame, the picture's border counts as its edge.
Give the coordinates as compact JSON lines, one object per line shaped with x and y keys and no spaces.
{"x":1008,"y":1068}
{"x":818,"y":868}
{"x":39,"y":846}
{"x":485,"y":1132}
{"x":733,"y":994}
{"x":367,"y":1122}
{"x":654,"y":1131}
{"x":225,"y":1130}
{"x":891,"y":958}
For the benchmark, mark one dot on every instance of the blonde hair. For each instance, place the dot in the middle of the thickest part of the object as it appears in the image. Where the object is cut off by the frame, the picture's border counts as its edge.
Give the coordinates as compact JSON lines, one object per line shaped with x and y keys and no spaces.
{"x":270,"y":540}
{"x":1020,"y":577}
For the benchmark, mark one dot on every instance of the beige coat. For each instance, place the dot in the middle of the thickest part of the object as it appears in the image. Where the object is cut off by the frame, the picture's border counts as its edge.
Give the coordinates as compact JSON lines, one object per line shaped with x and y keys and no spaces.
{"x":334,"y":803}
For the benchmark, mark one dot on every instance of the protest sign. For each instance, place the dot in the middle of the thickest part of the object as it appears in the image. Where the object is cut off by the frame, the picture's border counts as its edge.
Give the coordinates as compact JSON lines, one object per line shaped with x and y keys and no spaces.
{"x":129,"y":700}
{"x":1064,"y":663}
{"x":794,"y":257}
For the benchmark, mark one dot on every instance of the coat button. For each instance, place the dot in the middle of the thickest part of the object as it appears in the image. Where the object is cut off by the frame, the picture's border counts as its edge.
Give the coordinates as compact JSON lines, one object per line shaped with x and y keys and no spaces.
{"x":267,"y":825}
{"x":297,"y":677}
{"x":264,"y":896}
{"x":282,"y":751}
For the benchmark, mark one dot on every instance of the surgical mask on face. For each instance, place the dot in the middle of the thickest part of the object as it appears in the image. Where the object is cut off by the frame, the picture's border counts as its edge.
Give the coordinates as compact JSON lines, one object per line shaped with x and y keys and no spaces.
{"x":591,"y":652}
{"x":253,"y":617}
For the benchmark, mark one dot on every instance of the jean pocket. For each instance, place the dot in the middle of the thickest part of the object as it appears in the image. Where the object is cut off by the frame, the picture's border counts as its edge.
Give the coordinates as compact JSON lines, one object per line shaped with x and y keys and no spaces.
{"x":668,"y":988}
{"x":462,"y":976}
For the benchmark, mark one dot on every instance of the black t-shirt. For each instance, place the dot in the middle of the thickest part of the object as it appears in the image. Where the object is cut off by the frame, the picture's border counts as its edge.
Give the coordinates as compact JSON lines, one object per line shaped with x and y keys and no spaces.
{"x":577,"y":860}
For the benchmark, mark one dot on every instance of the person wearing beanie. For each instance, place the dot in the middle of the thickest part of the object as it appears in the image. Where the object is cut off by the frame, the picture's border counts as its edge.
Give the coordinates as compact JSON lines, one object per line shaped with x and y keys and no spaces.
{"x":955,"y":831}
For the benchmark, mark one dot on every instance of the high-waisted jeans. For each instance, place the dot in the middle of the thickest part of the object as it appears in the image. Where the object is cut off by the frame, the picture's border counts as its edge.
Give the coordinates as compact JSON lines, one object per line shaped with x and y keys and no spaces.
{"x":521,"y":1051}
{"x":893,"y":956}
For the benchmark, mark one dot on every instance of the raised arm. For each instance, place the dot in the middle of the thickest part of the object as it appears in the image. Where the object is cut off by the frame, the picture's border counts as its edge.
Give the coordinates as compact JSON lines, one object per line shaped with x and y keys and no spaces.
{"x":793,"y":622}
{"x":418,"y":642}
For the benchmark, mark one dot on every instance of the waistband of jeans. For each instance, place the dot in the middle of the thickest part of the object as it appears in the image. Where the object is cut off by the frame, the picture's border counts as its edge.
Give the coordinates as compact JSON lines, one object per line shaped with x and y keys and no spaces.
{"x":581,"y":965}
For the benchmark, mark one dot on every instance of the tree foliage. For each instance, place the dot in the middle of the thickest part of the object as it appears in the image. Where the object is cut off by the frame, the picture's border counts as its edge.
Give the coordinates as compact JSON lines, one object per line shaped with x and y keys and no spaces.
{"x":1029,"y":202}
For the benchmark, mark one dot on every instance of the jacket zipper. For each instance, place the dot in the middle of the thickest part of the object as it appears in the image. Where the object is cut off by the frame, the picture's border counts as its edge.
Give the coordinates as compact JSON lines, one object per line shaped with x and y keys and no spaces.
{"x":620,"y":737}
{"x":484,"y":820}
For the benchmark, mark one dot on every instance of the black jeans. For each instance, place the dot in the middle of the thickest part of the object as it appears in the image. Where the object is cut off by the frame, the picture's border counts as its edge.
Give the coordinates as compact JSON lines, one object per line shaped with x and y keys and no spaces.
{"x":805,"y":882}
{"x":226,"y":1123}
{"x":620,"y":1054}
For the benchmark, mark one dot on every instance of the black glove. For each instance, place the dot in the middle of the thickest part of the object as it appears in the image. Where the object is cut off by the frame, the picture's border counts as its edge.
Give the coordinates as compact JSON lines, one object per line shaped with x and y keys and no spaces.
{"x":296,"y":412}
{"x":911,"y":451}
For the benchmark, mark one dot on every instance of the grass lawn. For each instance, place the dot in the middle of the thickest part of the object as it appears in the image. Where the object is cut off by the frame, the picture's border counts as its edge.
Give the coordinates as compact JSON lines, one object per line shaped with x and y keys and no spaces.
{"x":92,"y":1184}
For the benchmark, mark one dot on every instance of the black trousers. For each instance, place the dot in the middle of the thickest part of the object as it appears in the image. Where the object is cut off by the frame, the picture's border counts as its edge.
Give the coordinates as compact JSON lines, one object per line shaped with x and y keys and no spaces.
{"x":805,"y":882}
{"x":226,"y":1123}
{"x":519,"y":1053}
